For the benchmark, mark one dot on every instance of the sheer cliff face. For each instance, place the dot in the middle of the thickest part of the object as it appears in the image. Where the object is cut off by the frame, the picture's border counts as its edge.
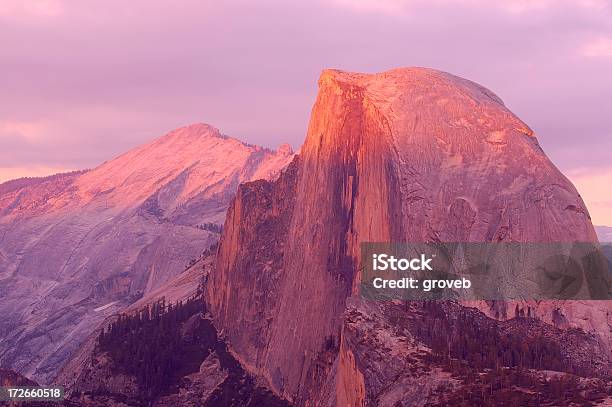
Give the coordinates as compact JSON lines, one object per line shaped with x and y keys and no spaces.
{"x":75,"y":248}
{"x":406,"y":155}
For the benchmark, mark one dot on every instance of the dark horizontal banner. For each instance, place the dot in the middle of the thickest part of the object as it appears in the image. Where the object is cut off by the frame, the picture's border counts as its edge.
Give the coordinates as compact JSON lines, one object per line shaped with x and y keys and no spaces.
{"x":485,"y":271}
{"x":21,"y":394}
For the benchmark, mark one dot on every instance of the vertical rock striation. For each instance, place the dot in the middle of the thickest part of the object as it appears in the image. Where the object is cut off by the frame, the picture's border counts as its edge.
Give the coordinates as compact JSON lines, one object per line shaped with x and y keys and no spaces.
{"x":412,"y":155}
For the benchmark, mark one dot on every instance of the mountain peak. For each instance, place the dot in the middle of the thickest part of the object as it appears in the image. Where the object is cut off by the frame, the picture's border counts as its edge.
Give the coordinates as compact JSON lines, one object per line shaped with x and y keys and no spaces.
{"x":284,"y":149}
{"x":199,"y":148}
{"x":195,"y":130}
{"x":443,"y":106}
{"x":101,"y":237}
{"x":408,"y":155}
{"x":417,"y":81}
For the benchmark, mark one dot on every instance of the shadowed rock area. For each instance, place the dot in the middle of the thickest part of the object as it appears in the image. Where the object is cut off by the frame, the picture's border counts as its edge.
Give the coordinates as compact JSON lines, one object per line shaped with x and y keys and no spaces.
{"x":412,"y":155}
{"x":78,"y":247}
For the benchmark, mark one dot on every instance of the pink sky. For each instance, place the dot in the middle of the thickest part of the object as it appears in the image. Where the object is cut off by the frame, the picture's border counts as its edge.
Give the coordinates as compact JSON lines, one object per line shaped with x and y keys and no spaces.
{"x":84,"y":81}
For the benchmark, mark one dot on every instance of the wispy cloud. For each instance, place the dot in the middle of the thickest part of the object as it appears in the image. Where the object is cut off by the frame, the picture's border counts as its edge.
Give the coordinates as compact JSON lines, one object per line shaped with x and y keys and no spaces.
{"x":523,"y":6}
{"x":88,"y":80}
{"x":27,"y":9}
{"x":598,"y":47}
{"x":510,"y":6}
{"x":30,"y":131}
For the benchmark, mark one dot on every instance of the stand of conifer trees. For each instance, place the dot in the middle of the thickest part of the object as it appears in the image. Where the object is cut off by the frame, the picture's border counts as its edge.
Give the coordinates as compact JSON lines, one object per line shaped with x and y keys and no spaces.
{"x":149,"y":344}
{"x":483,"y":345}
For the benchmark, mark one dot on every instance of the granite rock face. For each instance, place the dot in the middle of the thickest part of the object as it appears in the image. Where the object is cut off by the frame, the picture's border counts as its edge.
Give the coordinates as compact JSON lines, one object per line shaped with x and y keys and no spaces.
{"x":75,"y":248}
{"x":412,"y":155}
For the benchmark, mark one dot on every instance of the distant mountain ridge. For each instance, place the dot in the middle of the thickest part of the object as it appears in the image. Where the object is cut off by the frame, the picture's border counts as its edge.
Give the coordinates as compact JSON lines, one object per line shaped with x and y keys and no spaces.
{"x":19,"y":183}
{"x":77,"y":247}
{"x":604,"y":233}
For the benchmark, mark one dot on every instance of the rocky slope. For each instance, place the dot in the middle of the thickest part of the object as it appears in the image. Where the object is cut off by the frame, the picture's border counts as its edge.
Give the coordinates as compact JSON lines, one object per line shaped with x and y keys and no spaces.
{"x":200,"y":370}
{"x":75,"y":248}
{"x":410,"y":155}
{"x":76,"y":374}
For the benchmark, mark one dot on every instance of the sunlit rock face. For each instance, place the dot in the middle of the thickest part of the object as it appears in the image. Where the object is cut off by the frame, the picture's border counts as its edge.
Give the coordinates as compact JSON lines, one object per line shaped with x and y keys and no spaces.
{"x":75,"y":248}
{"x":413,"y":155}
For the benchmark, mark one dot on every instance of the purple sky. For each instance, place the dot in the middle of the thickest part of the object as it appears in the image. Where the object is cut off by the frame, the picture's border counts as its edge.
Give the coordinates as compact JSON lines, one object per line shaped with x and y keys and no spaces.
{"x":83,"y":81}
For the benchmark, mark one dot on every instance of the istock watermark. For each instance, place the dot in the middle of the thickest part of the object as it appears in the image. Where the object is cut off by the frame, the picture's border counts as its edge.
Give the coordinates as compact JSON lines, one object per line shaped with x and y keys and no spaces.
{"x":485,"y":271}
